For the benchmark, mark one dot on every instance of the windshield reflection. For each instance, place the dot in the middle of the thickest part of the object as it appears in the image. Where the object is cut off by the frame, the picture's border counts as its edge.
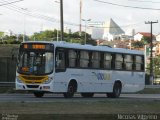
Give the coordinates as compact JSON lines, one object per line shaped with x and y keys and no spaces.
{"x":35,"y":63}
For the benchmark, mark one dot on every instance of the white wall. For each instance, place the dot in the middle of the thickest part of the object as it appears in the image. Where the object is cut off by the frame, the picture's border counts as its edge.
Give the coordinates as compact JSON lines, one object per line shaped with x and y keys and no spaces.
{"x":138,"y":37}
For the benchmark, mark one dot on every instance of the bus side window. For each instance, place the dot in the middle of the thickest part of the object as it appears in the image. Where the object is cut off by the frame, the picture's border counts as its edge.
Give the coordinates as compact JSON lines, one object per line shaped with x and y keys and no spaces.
{"x":60,"y":60}
{"x":72,"y":55}
{"x":139,"y":63}
{"x":118,"y":61}
{"x":84,"y":59}
{"x":128,"y":61}
{"x":107,"y":60}
{"x":95,"y":60}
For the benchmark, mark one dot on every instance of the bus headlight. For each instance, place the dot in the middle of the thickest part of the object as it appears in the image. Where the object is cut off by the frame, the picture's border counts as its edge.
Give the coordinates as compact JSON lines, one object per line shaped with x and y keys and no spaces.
{"x":48,"y":80}
{"x":19,"y":80}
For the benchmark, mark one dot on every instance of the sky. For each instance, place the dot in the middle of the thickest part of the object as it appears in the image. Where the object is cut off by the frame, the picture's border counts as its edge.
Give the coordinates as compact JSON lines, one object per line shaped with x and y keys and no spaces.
{"x":36,"y":15}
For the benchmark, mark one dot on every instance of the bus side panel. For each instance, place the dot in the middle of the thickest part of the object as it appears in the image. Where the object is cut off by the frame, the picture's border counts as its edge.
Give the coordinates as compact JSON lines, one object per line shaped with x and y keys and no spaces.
{"x":98,"y":80}
{"x":131,"y":81}
{"x":87,"y":80}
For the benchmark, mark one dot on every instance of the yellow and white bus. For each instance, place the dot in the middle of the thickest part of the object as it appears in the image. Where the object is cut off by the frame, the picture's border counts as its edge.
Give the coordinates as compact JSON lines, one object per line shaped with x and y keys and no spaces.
{"x":61,"y":67}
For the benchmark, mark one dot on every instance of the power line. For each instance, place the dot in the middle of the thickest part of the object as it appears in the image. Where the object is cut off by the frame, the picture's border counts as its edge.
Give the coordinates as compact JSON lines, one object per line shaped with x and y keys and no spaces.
{"x":35,"y":15}
{"x":126,"y":5}
{"x":143,"y":1}
{"x":40,"y":16}
{"x":124,"y":26}
{"x":10,"y":2}
{"x":51,"y":19}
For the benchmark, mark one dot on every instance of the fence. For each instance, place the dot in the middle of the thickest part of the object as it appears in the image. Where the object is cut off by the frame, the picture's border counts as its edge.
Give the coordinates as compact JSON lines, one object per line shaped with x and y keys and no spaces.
{"x":7,"y":71}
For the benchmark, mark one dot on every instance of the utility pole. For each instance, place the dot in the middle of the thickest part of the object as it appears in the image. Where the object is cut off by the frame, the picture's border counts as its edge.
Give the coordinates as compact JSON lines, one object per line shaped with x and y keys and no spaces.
{"x":61,"y":17}
{"x":85,"y":37}
{"x":151,"y":53}
{"x":80,"y":18}
{"x":24,"y":24}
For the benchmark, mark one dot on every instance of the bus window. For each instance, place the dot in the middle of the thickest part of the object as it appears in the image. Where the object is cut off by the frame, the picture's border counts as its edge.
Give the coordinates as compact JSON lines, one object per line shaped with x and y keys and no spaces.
{"x":60,"y":60}
{"x":72,"y":55}
{"x":138,"y":63}
{"x":84,"y":59}
{"x":48,"y":63}
{"x":38,"y":63}
{"x":95,"y":60}
{"x":118,"y":61}
{"x":107,"y":60}
{"x":128,"y":62}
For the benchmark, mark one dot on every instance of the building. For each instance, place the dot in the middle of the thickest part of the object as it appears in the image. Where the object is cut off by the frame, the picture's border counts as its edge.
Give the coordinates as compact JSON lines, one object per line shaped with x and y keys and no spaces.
{"x":138,"y":36}
{"x":8,"y":33}
{"x":158,"y":37}
{"x":96,"y":30}
{"x":112,"y":31}
{"x":67,"y":30}
{"x":157,"y":49}
{"x":108,"y":30}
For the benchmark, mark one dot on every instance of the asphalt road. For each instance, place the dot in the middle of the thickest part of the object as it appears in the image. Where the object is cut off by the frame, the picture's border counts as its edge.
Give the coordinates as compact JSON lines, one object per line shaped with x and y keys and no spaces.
{"x":76,"y":98}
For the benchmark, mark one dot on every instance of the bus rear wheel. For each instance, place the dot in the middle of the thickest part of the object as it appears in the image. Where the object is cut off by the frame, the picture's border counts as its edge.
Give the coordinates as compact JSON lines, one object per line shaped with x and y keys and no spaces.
{"x":116,"y":91}
{"x":87,"y":95}
{"x":38,"y":94}
{"x":70,"y":92}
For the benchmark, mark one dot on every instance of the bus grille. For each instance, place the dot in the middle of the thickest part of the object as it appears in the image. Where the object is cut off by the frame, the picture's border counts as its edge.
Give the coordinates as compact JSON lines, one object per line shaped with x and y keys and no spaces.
{"x":33,"y":78}
{"x":32,"y":86}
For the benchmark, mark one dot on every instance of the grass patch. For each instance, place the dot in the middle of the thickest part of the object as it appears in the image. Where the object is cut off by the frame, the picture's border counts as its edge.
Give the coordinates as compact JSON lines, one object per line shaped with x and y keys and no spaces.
{"x":109,"y":109}
{"x":11,"y":89}
{"x":7,"y":90}
{"x":103,"y":107}
{"x":150,"y":91}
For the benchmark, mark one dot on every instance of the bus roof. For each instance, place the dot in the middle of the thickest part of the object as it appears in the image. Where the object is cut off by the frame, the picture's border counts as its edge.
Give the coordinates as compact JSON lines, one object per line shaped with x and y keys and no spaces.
{"x":90,"y":47}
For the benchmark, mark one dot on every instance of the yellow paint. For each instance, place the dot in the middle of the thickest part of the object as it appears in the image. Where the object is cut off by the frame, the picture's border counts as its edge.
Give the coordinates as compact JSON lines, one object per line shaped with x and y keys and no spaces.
{"x":33,"y":79}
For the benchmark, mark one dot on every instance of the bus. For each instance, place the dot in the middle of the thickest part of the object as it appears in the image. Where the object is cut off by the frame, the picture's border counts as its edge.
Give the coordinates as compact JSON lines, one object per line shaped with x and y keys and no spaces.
{"x":69,"y":68}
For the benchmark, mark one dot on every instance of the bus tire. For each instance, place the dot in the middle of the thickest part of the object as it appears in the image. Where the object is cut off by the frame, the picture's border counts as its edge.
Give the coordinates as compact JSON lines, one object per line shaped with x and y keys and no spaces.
{"x":38,"y":94}
{"x":116,"y":90}
{"x":87,"y":95}
{"x":71,"y":90}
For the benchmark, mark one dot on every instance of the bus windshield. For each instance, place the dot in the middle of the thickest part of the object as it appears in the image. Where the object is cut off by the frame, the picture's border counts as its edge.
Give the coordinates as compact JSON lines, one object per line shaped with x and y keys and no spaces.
{"x":38,"y":63}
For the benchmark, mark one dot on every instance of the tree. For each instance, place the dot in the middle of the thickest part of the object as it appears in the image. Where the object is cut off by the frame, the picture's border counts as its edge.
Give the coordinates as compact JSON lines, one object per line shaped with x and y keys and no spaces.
{"x":156,"y":66}
{"x":138,"y":44}
{"x":146,"y":39}
{"x":46,"y":35}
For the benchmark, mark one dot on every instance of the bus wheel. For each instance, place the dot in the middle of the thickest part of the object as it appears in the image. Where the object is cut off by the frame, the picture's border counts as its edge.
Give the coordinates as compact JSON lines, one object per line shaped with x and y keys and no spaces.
{"x":38,"y":94}
{"x":70,"y":92}
{"x":116,"y":91}
{"x":87,"y":95}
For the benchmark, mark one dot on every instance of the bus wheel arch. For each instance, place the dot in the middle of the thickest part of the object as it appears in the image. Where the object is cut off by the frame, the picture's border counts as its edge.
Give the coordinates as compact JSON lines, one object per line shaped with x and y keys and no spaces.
{"x":117,"y":87}
{"x":72,"y":88}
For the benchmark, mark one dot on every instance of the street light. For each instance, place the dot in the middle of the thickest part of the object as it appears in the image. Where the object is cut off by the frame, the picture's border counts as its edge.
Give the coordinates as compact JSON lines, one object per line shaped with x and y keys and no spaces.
{"x":85,"y":28}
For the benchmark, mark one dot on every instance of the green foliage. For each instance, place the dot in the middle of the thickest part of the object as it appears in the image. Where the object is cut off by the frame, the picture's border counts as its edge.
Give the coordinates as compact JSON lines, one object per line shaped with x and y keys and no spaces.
{"x":146,"y":40}
{"x":138,"y":44}
{"x":1,"y":34}
{"x":156,"y":66}
{"x":50,"y":35}
{"x":47,"y":35}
